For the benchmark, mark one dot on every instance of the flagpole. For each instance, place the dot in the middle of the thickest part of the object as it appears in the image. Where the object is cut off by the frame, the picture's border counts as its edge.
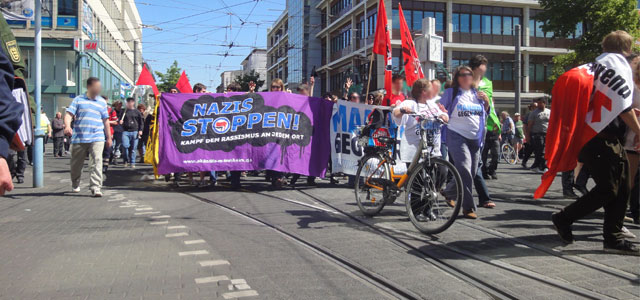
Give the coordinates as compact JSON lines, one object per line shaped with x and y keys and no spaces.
{"x":369,"y":77}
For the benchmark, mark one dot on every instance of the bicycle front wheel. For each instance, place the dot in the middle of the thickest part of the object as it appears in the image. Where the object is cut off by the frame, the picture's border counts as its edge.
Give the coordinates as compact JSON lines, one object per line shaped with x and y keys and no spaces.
{"x":434,"y":196}
{"x":509,"y":154}
{"x":373,"y":173}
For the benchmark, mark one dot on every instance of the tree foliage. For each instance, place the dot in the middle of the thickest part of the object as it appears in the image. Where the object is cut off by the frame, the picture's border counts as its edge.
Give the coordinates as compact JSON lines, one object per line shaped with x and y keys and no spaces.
{"x":170,"y":78}
{"x":244,"y":79}
{"x":598,"y":18}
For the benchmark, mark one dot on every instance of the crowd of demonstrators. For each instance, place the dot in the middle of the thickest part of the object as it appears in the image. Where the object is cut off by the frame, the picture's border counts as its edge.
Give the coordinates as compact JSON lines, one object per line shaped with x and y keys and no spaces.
{"x":605,"y":157}
{"x":91,"y":133}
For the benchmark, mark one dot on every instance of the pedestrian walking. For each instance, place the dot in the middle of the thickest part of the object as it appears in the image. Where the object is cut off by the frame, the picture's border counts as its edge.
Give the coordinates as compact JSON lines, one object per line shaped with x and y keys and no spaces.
{"x":88,"y":135}
{"x":117,"y":150}
{"x":467,"y":108}
{"x":10,"y":120}
{"x":45,"y":126}
{"x":58,"y":135}
{"x":304,"y":89}
{"x":528,"y":147}
{"x":519,"y":134}
{"x":108,"y":151}
{"x":606,"y":161}
{"x":491,"y":147}
{"x":132,"y":125}
{"x":537,"y":125}
{"x":632,"y":154}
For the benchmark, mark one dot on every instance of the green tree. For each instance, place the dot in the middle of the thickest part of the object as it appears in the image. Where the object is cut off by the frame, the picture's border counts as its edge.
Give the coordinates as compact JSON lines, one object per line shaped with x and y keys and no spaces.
{"x":598,"y":18}
{"x":170,"y":78}
{"x":244,"y":79}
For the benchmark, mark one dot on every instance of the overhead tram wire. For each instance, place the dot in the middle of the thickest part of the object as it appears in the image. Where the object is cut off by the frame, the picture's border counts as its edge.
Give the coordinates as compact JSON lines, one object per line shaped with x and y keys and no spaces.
{"x":239,"y":30}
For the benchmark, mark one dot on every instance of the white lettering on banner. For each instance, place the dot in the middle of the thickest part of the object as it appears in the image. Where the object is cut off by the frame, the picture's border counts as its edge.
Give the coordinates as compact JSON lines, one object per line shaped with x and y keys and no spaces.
{"x":345,"y":151}
{"x":612,"y":89}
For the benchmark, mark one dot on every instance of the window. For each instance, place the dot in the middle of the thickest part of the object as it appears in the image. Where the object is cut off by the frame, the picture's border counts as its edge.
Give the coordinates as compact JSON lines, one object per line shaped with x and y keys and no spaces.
{"x":418,"y":15}
{"x":507,"y":26}
{"x":439,"y":22}
{"x":395,"y":20}
{"x":497,"y":25}
{"x":456,"y":22}
{"x":464,"y":23}
{"x":508,"y":72}
{"x":68,"y":7}
{"x":497,"y":74}
{"x":486,"y":24}
{"x":475,"y":24}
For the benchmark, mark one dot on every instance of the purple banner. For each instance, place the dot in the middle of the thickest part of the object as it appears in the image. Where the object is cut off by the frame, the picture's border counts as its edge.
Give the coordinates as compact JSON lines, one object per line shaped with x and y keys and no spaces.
{"x":243,"y":132}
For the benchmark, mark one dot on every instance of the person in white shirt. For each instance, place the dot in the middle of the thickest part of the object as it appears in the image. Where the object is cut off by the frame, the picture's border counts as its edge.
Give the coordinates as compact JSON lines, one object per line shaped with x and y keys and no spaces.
{"x":408,"y":126}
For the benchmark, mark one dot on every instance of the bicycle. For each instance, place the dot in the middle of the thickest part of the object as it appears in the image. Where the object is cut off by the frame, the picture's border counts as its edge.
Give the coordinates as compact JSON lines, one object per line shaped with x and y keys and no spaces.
{"x":508,"y":153}
{"x":432,"y":186}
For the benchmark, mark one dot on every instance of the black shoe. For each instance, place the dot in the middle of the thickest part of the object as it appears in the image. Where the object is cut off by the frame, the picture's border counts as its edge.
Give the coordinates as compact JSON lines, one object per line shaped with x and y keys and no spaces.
{"x":570,"y":195}
{"x":494,"y":176}
{"x":563,"y":229}
{"x":524,"y":165}
{"x":311,"y":183}
{"x":623,"y":247}
{"x":20,"y":180}
{"x":486,"y":176}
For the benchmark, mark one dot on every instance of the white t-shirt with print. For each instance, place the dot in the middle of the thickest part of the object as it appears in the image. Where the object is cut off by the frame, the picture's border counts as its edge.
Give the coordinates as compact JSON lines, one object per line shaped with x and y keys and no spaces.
{"x":465,"y":118}
{"x":409,"y":128}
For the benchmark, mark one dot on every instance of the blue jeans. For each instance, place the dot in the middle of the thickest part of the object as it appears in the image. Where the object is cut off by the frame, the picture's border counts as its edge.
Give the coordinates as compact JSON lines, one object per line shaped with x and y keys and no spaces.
{"x":466,"y":155}
{"x":130,"y":146}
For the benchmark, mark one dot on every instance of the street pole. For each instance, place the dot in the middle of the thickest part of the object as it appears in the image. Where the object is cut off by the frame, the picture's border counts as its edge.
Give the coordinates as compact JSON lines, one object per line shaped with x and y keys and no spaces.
{"x":518,"y":39}
{"x":38,"y":146}
{"x":135,"y":61}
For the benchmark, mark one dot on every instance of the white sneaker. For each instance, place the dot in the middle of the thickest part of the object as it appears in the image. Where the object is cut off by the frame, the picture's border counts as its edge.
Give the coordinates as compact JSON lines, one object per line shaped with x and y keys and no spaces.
{"x":75,"y":189}
{"x":96,"y":193}
{"x":627,"y":234}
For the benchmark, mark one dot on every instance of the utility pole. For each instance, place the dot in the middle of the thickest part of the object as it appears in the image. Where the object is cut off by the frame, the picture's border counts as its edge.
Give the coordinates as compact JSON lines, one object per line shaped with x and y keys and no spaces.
{"x":518,"y":85}
{"x":38,"y":145}
{"x":135,"y":61}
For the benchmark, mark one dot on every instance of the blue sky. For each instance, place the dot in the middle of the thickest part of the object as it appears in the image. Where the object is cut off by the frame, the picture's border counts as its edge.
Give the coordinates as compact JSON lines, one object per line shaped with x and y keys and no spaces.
{"x":197,"y":33}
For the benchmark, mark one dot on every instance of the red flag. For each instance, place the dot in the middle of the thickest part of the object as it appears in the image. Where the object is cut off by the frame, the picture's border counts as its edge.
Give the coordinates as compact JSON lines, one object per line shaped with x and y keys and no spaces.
{"x":146,"y":79}
{"x":584,"y":103}
{"x":412,"y":67}
{"x":382,"y":45}
{"x":183,"y":84}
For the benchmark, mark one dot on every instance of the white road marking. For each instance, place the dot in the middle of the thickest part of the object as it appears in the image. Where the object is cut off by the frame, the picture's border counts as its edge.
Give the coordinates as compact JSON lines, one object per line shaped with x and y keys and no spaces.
{"x":170,"y":235}
{"x":115,"y":200}
{"x":146,"y":213}
{"x":212,"y":263}
{"x":161,"y":217}
{"x":231,"y":295}
{"x":127,"y":206}
{"x":193,"y":242}
{"x":144,"y":208}
{"x":238,"y":281}
{"x":159,"y":223}
{"x":177,"y":227}
{"x":230,"y":287}
{"x":243,"y":286}
{"x":195,"y":252}
{"x":211,"y":279}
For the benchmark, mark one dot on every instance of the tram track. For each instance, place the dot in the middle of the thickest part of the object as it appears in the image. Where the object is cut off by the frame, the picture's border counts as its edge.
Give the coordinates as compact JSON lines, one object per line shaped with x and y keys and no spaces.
{"x":504,"y":266}
{"x":399,"y":237}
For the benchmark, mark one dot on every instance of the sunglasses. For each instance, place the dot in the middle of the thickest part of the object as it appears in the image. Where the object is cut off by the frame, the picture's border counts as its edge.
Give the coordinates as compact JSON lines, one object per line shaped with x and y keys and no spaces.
{"x":276,"y":87}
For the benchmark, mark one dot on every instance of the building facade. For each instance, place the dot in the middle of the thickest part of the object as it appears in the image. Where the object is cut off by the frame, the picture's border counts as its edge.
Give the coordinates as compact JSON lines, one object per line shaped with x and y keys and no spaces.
{"x":293,"y":51}
{"x":115,"y":24}
{"x":468,"y":28}
{"x":226,"y":78}
{"x":256,"y":61}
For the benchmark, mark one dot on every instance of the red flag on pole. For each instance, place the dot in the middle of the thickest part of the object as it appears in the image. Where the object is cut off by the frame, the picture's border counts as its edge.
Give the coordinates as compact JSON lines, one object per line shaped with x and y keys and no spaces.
{"x":183,"y":84}
{"x":382,"y":45}
{"x":412,"y":67}
{"x":584,"y":103}
{"x":146,"y":79}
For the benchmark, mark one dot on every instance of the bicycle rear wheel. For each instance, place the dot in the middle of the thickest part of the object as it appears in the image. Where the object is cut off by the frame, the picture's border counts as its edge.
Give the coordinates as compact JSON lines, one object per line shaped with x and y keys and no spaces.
{"x":434,"y":196}
{"x":509,"y":154}
{"x":373,"y":173}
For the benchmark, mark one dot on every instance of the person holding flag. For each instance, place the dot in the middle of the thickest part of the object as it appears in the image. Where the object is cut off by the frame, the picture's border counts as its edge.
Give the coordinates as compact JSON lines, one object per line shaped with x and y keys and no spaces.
{"x":592,"y":105}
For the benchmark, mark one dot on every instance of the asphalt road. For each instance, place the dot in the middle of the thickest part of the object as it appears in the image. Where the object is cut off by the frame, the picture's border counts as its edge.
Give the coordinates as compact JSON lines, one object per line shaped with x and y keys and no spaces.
{"x":149,"y":240}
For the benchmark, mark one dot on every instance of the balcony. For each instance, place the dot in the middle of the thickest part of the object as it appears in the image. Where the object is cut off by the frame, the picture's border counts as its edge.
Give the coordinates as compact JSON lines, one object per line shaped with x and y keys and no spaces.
{"x":341,"y":53}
